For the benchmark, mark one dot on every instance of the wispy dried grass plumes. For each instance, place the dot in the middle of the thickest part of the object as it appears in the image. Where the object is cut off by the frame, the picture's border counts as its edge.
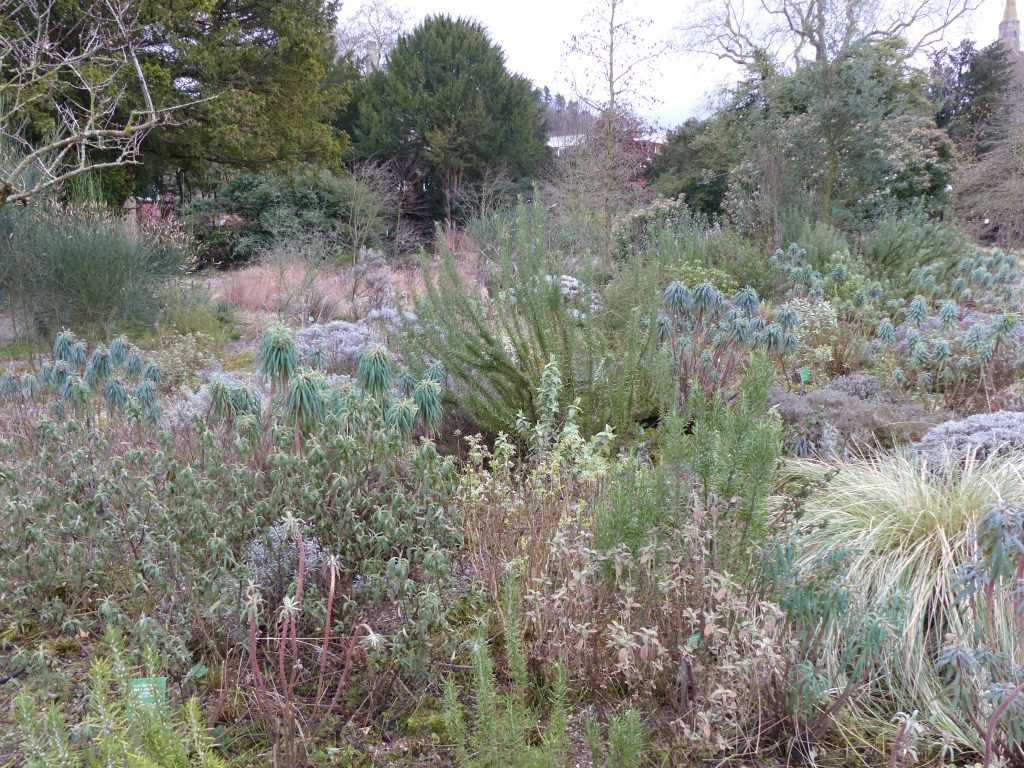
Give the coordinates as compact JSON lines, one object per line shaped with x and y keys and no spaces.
{"x":908,"y":526}
{"x":290,"y":288}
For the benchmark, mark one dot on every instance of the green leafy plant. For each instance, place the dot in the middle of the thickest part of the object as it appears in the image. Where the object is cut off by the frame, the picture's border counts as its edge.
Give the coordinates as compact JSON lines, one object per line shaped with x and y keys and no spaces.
{"x":732,"y":449}
{"x":120,"y":729}
{"x":373,"y":371}
{"x":980,"y":674}
{"x":505,"y":729}
{"x":94,"y":387}
{"x":626,"y":741}
{"x":304,"y":404}
{"x":276,"y":357}
{"x":495,"y":348}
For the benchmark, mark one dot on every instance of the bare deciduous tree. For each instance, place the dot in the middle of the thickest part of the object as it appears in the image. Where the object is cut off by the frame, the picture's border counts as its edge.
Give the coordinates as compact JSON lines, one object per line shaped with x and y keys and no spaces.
{"x":370,"y":32}
{"x":610,"y":57}
{"x":608,"y":61}
{"x":79,"y":78}
{"x":798,"y":31}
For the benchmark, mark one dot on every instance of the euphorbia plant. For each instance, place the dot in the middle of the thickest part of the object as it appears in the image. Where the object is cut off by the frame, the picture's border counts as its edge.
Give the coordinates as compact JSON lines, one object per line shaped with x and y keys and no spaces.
{"x":276,"y":357}
{"x":305,"y":404}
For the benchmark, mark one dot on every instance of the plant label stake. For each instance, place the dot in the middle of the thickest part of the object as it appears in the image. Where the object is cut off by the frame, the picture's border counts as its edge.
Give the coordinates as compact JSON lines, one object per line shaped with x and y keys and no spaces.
{"x":148,"y":691}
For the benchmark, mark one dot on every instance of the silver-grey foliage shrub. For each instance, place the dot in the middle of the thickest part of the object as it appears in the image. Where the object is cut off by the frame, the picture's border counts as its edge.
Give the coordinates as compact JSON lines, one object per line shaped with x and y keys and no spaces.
{"x":980,"y":435}
{"x":271,"y":559}
{"x":849,"y":416}
{"x":335,"y":346}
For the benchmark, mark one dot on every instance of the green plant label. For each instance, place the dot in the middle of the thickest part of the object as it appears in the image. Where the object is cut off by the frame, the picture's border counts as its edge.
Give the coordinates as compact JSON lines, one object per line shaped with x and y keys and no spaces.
{"x":148,"y":691}
{"x":805,"y":375}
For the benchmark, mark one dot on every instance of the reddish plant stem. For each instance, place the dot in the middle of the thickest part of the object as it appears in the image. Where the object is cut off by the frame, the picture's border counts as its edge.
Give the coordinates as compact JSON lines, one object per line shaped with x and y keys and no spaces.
{"x":325,"y":647}
{"x":993,"y":721}
{"x":347,"y":666}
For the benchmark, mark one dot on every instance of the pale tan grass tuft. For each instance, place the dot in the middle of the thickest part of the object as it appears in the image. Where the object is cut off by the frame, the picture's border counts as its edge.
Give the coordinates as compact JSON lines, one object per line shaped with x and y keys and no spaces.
{"x":907,"y":528}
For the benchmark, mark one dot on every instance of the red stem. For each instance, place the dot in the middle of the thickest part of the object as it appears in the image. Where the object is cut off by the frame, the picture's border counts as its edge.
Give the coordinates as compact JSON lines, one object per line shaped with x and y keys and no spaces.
{"x":327,"y":631}
{"x":990,"y":731}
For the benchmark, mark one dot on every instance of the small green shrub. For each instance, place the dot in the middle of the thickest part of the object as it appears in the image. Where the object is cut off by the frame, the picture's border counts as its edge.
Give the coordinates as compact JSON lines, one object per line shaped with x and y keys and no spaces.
{"x":496,"y":346}
{"x":504,"y":729}
{"x":639,"y":499}
{"x":336,"y":215}
{"x":899,"y":245}
{"x":732,"y":448}
{"x":689,"y":243}
{"x":634,"y":234}
{"x":118,"y":729}
{"x":182,"y":357}
{"x":190,"y":308}
{"x":820,"y":240}
{"x":626,"y":741}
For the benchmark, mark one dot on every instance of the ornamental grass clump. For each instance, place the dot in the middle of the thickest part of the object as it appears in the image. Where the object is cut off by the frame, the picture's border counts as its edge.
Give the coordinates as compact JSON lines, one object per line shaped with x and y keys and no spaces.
{"x":907,"y":528}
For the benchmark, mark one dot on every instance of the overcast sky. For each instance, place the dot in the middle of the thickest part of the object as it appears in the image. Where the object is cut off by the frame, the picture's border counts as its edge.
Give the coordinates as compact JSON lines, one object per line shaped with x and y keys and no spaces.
{"x":534,"y":33}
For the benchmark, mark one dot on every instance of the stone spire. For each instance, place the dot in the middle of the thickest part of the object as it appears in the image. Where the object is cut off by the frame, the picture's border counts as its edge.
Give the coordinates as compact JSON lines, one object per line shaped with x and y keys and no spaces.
{"x":1009,"y":28}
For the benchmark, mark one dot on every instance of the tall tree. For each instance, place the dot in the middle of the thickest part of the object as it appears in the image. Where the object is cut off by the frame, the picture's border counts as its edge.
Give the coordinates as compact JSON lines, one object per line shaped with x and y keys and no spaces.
{"x":694,"y":164}
{"x":448,"y":109}
{"x":856,"y":135}
{"x":796,"y":32}
{"x":257,"y":69}
{"x":968,"y":85}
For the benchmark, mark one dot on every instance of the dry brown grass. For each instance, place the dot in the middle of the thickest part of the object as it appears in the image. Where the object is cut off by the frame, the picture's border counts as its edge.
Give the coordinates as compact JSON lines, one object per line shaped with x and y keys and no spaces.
{"x":293,"y":288}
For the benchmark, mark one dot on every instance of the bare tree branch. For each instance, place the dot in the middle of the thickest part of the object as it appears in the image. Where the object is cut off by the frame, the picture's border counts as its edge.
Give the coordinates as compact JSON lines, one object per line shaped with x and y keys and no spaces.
{"x":83,"y":69}
{"x":370,"y":32}
{"x":742,"y":31}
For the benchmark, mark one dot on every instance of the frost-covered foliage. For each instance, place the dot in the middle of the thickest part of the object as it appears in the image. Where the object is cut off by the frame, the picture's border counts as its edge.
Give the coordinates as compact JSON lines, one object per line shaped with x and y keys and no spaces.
{"x":335,"y":346}
{"x":576,"y":293}
{"x":863,"y":386}
{"x":849,"y":416}
{"x":180,"y":412}
{"x":271,"y":559}
{"x":980,"y":436}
